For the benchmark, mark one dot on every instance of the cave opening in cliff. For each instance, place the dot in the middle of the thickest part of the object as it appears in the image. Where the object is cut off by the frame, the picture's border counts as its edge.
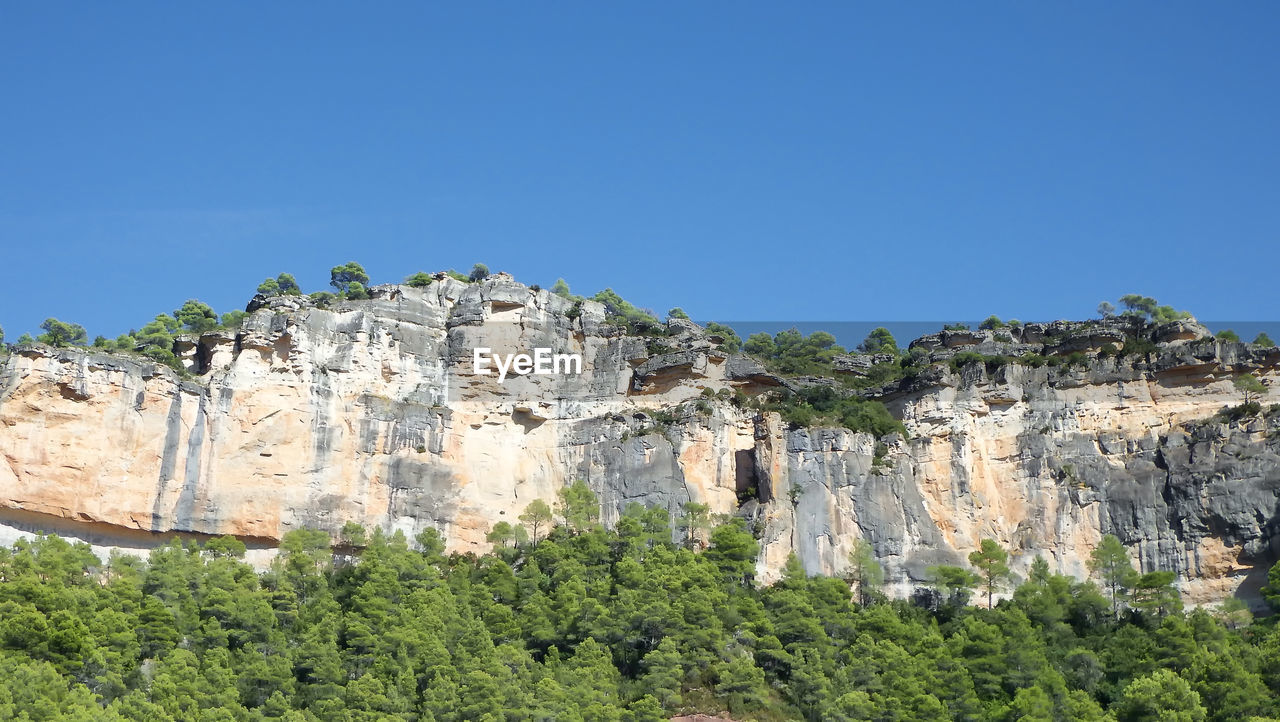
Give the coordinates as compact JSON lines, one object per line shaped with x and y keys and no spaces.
{"x":746,"y":480}
{"x":203,"y":358}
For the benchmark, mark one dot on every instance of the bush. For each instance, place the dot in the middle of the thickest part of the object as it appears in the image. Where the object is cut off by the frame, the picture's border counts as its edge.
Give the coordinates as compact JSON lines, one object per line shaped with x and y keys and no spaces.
{"x":956,"y":327}
{"x":819,"y":405}
{"x":880,"y":456}
{"x":964,"y":358}
{"x":1075,"y":358}
{"x":871,"y":417}
{"x":560,"y":288}
{"x":1264,"y":340}
{"x":1148,"y":308}
{"x":654,"y":347}
{"x":356,"y":291}
{"x":1134,"y":345}
{"x":992,"y":322}
{"x":161,"y":354}
{"x":288,"y":285}
{"x":196,"y":316}
{"x":232,"y":319}
{"x":418,"y":280}
{"x":1243,"y":411}
{"x":479,"y":272}
{"x":619,"y":312}
{"x":269,"y":287}
{"x":730,"y":343}
{"x":882,"y":374}
{"x":282,"y":285}
{"x":990,"y":361}
{"x":792,"y":354}
{"x":879,"y":341}
{"x":1034,"y":360}
{"x":798,"y":415}
{"x":1227,"y":335}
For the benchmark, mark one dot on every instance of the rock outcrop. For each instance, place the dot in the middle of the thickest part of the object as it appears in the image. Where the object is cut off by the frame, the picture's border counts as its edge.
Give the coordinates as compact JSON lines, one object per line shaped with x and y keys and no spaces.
{"x":369,"y":411}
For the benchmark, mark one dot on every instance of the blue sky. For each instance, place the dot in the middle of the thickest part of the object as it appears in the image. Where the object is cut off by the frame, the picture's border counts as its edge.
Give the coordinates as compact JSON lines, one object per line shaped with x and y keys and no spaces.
{"x":841,"y":161}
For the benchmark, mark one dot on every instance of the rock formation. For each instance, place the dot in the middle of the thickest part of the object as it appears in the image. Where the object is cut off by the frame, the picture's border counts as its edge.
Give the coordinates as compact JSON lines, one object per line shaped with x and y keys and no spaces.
{"x":368,"y":411}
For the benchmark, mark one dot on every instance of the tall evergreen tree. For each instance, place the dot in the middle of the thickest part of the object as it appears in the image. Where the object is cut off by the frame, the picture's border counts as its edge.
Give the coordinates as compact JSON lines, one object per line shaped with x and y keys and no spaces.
{"x":992,"y":563}
{"x":1110,"y":562}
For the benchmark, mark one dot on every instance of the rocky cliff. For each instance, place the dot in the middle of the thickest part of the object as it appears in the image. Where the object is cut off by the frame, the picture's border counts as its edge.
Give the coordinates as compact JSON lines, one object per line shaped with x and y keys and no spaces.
{"x":369,"y":411}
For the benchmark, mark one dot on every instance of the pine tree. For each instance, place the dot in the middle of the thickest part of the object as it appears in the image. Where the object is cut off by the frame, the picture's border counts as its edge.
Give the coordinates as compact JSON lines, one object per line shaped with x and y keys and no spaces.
{"x":993,"y":566}
{"x":865,"y":574}
{"x":663,"y":674}
{"x":1110,"y":561}
{"x":537,"y":515}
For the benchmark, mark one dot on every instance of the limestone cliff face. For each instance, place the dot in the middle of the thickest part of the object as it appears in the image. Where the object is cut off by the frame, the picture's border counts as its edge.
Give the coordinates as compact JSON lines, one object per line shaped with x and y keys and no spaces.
{"x":1046,"y":461}
{"x":369,"y":412}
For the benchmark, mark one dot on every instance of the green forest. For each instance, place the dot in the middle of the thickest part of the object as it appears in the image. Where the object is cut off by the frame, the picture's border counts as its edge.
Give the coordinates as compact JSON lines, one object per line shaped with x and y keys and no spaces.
{"x":570,"y":621}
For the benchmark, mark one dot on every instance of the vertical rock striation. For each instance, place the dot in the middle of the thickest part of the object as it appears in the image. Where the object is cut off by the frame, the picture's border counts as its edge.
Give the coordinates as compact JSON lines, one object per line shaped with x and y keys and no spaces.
{"x":368,"y":412}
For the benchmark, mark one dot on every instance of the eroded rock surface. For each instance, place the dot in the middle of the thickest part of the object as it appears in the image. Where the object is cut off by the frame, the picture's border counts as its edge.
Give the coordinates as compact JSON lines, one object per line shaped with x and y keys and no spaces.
{"x":368,"y":412}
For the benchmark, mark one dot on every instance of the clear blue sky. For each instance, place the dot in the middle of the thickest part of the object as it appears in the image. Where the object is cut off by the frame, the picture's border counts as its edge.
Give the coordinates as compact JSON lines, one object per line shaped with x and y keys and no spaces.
{"x":827,"y":161}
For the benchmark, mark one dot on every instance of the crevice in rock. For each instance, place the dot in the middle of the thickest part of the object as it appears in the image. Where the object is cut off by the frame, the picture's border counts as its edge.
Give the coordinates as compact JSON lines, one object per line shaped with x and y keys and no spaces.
{"x":203,"y":358}
{"x":83,"y":527}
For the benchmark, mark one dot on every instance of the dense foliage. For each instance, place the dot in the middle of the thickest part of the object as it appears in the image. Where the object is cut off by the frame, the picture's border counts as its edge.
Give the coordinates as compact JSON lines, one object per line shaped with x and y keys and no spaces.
{"x":880,"y":340}
{"x":791,"y":353}
{"x":829,"y":406}
{"x":1143,"y":307}
{"x":350,"y":280}
{"x":619,"y":311}
{"x":729,"y":341}
{"x":574,"y":622}
{"x":283,"y":285}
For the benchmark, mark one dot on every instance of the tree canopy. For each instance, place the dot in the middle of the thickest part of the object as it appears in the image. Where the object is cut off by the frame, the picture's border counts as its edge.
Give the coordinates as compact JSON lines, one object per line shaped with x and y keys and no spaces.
{"x":61,"y":333}
{"x":1148,"y":308}
{"x":282,"y":285}
{"x":619,"y":311}
{"x":586,"y":624}
{"x":1250,"y":386}
{"x":196,"y":316}
{"x":992,"y":564}
{"x":792,"y":353}
{"x":421,"y":279}
{"x":349,"y":278}
{"x":879,"y":341}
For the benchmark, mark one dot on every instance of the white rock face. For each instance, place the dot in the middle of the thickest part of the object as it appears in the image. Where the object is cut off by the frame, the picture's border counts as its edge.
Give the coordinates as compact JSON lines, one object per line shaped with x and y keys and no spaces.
{"x":369,"y":412}
{"x":1044,"y":463}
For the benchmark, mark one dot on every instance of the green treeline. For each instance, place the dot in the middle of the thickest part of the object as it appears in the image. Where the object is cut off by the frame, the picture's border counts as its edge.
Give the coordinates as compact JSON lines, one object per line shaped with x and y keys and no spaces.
{"x":573,"y":622}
